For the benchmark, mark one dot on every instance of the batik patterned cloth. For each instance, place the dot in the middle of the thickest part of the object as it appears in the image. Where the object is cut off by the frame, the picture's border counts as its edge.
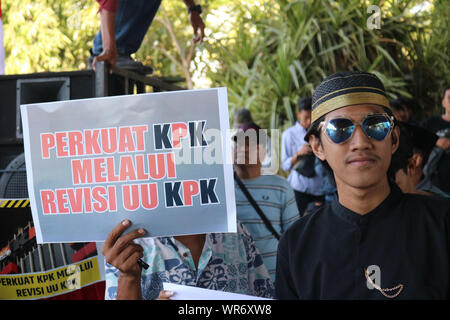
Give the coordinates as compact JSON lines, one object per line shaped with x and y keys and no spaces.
{"x":229,"y":262}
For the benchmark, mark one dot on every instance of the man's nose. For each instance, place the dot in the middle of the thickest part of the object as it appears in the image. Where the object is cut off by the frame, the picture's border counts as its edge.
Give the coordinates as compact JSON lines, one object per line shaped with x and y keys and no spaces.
{"x":360,"y":140}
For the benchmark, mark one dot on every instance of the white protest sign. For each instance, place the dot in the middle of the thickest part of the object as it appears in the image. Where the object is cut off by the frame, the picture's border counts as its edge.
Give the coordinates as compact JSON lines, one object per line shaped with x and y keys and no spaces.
{"x":92,"y":163}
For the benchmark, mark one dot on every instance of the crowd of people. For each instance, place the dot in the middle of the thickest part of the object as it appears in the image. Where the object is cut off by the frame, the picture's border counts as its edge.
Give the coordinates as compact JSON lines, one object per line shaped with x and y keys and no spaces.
{"x":364,"y":212}
{"x":369,"y":193}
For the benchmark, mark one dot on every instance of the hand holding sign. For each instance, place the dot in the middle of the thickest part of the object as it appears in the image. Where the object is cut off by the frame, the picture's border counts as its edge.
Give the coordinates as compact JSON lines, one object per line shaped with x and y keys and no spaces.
{"x":120,"y":251}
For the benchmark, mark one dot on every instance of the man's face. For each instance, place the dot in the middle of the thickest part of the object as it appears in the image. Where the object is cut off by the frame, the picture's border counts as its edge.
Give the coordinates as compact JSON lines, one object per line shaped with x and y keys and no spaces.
{"x":304,"y":118}
{"x":248,"y":153}
{"x":359,"y":162}
{"x":446,"y":100}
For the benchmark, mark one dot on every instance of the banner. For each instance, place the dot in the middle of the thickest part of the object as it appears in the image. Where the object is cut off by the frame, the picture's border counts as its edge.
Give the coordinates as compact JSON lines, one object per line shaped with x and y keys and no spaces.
{"x":5,"y":253}
{"x":50,"y":283}
{"x":158,"y":159}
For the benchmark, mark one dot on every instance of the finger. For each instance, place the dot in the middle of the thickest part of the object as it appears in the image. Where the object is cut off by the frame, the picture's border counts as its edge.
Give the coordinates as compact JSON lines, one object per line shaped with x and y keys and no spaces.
{"x":127,"y":252}
{"x":100,"y":57}
{"x":125,"y":240}
{"x":195,"y":33}
{"x":117,"y":258}
{"x":131,"y":262}
{"x":202,"y":32}
{"x":112,"y":63}
{"x":94,"y":63}
{"x":165,"y":295}
{"x":115,"y":234}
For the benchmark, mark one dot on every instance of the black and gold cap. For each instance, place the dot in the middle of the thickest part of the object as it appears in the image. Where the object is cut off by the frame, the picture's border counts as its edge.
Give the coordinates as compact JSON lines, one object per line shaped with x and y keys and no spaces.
{"x":344,"y":89}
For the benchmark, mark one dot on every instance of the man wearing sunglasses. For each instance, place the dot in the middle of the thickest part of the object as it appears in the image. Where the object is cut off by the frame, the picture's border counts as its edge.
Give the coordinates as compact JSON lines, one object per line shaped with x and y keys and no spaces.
{"x":372,"y":241}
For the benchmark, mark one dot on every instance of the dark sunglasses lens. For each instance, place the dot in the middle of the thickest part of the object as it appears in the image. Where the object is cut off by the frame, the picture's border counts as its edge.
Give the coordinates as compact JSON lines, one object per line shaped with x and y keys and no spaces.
{"x":377,"y":127}
{"x":340,"y":130}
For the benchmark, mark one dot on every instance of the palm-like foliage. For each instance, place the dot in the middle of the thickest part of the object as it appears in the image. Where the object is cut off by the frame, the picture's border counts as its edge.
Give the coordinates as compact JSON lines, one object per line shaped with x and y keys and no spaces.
{"x":285,"y":48}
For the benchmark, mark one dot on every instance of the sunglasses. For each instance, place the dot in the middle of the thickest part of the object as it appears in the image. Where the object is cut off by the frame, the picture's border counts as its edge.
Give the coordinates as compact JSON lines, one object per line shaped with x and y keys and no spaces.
{"x":375,"y":126}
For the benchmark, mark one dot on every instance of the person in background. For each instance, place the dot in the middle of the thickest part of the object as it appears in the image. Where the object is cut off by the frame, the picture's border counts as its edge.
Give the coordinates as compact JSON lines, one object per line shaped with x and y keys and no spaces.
{"x":439,"y":164}
{"x":271,"y":193}
{"x":218,"y":261}
{"x":328,"y":186}
{"x":416,"y":144}
{"x":123,"y":25}
{"x":401,"y":110}
{"x":372,"y":241}
{"x":244,"y":117}
{"x":295,"y":149}
{"x":241,"y":117}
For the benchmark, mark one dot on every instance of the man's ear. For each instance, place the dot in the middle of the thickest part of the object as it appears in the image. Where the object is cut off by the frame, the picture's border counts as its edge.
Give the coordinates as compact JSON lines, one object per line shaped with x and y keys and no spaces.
{"x":417,"y":160}
{"x":395,"y":138}
{"x":316,"y":147}
{"x":414,"y":163}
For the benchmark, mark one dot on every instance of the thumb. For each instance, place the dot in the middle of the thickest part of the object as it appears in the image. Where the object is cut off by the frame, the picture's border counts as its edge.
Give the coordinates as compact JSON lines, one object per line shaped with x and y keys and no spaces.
{"x":165,"y":295}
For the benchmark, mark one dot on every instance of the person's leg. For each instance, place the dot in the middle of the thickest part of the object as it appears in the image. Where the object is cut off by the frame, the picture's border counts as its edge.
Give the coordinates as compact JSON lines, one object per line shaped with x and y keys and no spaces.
{"x":133,"y":18}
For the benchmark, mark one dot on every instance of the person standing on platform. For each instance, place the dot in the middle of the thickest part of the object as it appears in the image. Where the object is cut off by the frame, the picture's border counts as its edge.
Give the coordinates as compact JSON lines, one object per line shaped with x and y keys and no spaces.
{"x":123,"y":25}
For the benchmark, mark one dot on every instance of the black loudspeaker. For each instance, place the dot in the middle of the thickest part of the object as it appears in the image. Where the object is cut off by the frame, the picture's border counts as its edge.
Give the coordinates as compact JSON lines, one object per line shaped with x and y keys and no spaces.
{"x":38,"y":91}
{"x":36,"y":88}
{"x":13,"y":183}
{"x":47,"y":87}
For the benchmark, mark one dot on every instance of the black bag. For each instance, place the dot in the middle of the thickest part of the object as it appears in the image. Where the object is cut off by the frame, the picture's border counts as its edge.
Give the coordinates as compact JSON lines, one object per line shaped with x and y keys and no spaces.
{"x":256,"y":207}
{"x":305,"y":165}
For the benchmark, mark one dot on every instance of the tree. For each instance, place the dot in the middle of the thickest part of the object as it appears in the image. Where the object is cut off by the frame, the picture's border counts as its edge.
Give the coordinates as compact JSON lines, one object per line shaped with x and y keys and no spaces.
{"x":48,"y":35}
{"x":267,"y":53}
{"x":283,"y":49}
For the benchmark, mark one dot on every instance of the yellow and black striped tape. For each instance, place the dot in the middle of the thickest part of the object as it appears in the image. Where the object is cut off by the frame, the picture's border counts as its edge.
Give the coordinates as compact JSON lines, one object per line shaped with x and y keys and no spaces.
{"x":14,"y":203}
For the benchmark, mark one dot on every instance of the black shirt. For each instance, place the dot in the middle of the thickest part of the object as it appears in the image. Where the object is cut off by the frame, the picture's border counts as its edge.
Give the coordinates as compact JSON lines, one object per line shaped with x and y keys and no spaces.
{"x":323,"y":255}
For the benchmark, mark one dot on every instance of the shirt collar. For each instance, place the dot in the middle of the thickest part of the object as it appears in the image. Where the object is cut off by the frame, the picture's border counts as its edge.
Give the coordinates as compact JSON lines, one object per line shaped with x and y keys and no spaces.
{"x":299,"y":126}
{"x":211,"y":239}
{"x":385,"y":207}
